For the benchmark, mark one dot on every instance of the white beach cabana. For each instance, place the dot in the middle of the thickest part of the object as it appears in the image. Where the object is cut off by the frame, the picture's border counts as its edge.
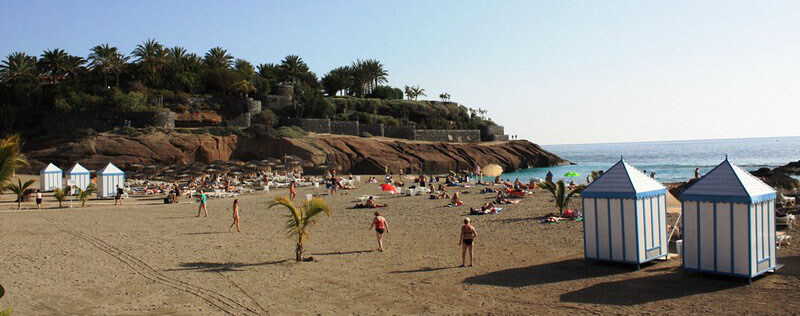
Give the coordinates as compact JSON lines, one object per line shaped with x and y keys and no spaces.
{"x":108,"y":179}
{"x":729,"y":223}
{"x":50,"y":178}
{"x":625,"y":216}
{"x":79,"y":175}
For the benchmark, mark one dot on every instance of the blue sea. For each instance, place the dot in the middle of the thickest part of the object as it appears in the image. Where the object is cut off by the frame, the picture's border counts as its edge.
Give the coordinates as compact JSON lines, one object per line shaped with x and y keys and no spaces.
{"x":672,"y":161}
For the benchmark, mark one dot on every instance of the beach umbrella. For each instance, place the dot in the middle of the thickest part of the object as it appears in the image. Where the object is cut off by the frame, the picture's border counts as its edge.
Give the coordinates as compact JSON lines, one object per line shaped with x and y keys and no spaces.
{"x":388,"y":188}
{"x":572,"y":174}
{"x":492,"y":170}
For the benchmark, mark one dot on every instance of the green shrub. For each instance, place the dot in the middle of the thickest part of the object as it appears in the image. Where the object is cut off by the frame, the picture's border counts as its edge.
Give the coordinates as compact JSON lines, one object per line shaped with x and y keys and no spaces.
{"x":224,"y":130}
{"x":386,"y":93}
{"x":366,"y":135}
{"x":291,"y":132}
{"x":267,"y":117}
{"x":127,"y":131}
{"x":85,"y":132}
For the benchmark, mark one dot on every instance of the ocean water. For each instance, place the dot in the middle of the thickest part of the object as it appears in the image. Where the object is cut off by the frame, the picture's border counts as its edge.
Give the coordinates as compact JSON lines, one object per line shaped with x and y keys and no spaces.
{"x":672,"y":161}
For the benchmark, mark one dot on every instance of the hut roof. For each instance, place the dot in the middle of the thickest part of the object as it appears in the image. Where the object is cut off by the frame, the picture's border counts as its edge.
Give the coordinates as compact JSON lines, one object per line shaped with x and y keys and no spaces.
{"x":110,"y":169}
{"x":623,"y":181}
{"x":77,"y":169}
{"x":728,"y":183}
{"x":51,"y":168}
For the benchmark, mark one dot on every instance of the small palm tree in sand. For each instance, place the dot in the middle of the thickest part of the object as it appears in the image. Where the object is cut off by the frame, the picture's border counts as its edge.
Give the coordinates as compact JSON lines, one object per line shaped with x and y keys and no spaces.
{"x":21,"y":190}
{"x":301,"y":219}
{"x":559,"y":191}
{"x":10,"y":158}
{"x":7,"y":311}
{"x":62,"y":194}
{"x":83,"y":195}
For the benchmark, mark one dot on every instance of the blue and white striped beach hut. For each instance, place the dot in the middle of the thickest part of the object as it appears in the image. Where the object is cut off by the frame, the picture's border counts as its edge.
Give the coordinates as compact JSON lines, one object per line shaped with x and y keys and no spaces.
{"x":729,"y":223}
{"x":80,"y":175}
{"x":625,"y":216}
{"x":50,"y":178}
{"x":108,"y":179}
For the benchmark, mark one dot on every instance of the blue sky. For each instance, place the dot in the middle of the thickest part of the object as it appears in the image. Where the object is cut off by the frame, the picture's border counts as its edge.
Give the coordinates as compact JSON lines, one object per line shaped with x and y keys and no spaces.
{"x":553,"y":72}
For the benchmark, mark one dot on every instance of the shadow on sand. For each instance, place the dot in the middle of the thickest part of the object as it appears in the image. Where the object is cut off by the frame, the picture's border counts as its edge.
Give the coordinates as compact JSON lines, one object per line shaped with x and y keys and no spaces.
{"x":425,"y":269}
{"x":554,"y":272}
{"x":221,"y":267}
{"x":341,"y":253}
{"x":654,"y":288}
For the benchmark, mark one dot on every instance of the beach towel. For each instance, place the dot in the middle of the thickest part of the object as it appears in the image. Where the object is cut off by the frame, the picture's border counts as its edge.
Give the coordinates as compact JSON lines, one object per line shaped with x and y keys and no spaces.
{"x":496,"y":210}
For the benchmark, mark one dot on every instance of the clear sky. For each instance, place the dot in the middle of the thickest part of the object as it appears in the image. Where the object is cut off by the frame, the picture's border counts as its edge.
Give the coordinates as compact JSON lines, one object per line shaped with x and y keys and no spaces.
{"x":553,"y":71}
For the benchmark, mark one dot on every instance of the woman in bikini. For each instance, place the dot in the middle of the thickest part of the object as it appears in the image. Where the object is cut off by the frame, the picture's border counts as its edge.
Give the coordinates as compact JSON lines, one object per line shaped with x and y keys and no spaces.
{"x":292,"y":191}
{"x":381,"y":226}
{"x":235,"y":216}
{"x":466,"y":240}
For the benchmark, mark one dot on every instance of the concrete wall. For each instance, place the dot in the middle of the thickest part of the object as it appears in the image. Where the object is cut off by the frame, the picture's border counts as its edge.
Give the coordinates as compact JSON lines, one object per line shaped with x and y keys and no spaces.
{"x":438,"y":135}
{"x":345,"y":128}
{"x":373,"y":129}
{"x":406,"y":132}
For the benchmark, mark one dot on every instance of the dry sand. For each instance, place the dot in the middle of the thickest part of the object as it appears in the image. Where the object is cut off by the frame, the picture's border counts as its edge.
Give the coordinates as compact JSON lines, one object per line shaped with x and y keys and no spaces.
{"x":151,"y":258}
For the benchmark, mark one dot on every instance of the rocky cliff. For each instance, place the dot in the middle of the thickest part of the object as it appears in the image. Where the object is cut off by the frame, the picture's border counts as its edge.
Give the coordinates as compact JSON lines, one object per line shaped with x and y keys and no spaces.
{"x":346,"y":153}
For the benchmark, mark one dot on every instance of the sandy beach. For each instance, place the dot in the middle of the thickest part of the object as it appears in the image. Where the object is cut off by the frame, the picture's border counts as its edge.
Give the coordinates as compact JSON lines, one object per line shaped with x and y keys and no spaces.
{"x":145,"y":257}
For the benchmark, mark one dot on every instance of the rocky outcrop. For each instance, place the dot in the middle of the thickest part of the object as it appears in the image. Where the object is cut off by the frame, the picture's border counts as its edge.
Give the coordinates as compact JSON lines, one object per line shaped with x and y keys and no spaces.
{"x":317,"y":152}
{"x":197,"y":119}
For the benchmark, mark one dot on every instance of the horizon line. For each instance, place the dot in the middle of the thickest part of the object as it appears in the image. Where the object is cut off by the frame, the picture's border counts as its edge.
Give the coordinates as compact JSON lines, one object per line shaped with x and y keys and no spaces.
{"x":667,"y":141}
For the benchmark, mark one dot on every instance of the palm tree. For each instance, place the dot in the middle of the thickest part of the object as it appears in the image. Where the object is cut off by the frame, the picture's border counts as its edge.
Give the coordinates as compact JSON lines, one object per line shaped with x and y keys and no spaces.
{"x":445,"y":97}
{"x":56,"y":63}
{"x":217,"y":58}
{"x":337,"y":80}
{"x":301,"y":219}
{"x":245,"y":68}
{"x":21,"y":190}
{"x":107,"y":60}
{"x":418,"y":92}
{"x":152,"y":56}
{"x":8,"y":311}
{"x":10,"y":158}
{"x":75,"y":66}
{"x":62,"y":194}
{"x":558,"y":190}
{"x":177,"y":54}
{"x":243,"y":88}
{"x":292,"y":67}
{"x":376,"y":73}
{"x":18,"y":66}
{"x":83,"y":195}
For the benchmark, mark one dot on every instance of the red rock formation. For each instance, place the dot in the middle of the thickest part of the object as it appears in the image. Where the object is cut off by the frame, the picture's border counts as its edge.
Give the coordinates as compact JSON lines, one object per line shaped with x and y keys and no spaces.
{"x":350,"y":154}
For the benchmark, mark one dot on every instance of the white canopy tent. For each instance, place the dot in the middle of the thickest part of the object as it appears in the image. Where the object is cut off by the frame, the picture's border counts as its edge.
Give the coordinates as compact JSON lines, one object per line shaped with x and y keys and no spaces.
{"x":108,"y":179}
{"x":50,"y":178}
{"x":729,"y":223}
{"x":79,"y":175}
{"x":624,"y":216}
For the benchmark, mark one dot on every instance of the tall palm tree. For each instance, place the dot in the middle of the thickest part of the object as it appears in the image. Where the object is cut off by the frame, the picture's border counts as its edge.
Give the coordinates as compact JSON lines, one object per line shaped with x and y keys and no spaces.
{"x":301,"y":219}
{"x":152,"y":56}
{"x":245,"y":68}
{"x":292,"y":67}
{"x":177,"y":54}
{"x":444,"y":96}
{"x":559,"y":191}
{"x":18,"y":66}
{"x":360,"y":78}
{"x":376,"y":73}
{"x":418,"y":92}
{"x":11,"y":158}
{"x":21,"y":190}
{"x":336,"y":80}
{"x":106,"y":60}
{"x":55,"y":63}
{"x":217,"y":58}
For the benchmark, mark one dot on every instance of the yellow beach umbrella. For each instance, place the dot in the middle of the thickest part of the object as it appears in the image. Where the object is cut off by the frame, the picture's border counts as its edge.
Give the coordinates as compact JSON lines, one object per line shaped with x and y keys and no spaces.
{"x":492,"y":170}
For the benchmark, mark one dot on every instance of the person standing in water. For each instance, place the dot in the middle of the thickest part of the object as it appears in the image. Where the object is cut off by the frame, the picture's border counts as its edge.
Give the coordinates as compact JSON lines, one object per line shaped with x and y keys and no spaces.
{"x":202,"y":207}
{"x":292,"y":191}
{"x":549,"y":176}
{"x":467,"y":240}
{"x":235,"y":216}
{"x":697,"y":173}
{"x":381,"y":226}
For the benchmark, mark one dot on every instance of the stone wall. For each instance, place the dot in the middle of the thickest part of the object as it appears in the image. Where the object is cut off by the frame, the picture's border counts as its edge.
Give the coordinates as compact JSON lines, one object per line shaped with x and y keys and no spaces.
{"x":106,"y":121}
{"x":345,"y":128}
{"x":372,"y":129}
{"x":439,"y":135}
{"x":309,"y":125}
{"x":493,"y":133}
{"x":406,"y":132}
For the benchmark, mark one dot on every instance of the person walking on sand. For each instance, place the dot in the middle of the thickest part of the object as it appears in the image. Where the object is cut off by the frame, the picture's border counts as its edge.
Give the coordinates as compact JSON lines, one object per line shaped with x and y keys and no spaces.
{"x":202,"y":207}
{"x":235,"y":216}
{"x":38,"y":199}
{"x":292,"y":191}
{"x":467,"y":240}
{"x":118,"y":196}
{"x":381,"y":226}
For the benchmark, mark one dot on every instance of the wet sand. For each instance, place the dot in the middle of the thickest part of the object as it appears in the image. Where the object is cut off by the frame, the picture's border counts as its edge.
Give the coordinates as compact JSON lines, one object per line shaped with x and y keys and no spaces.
{"x":149,"y":258}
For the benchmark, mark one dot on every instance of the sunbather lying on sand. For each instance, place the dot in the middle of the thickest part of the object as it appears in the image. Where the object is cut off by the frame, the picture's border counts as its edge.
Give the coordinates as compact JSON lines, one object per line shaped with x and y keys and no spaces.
{"x":370,"y":203}
{"x":456,"y":201}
